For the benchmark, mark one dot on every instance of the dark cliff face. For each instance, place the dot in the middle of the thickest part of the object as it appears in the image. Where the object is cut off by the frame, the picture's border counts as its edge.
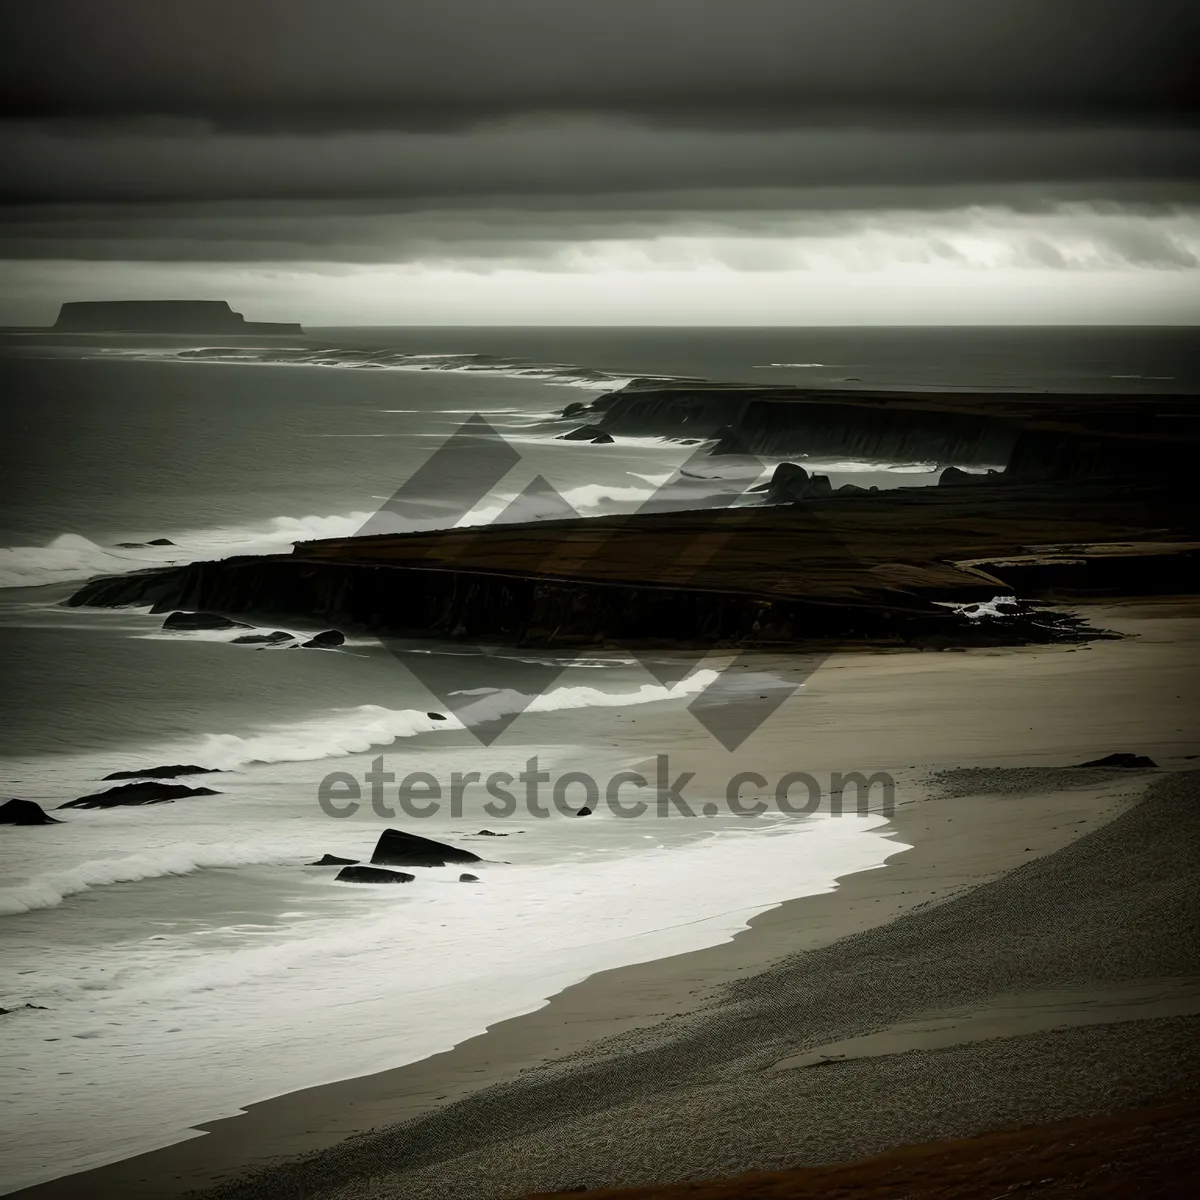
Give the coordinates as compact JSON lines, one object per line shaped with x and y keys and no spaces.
{"x":820,"y":430}
{"x":1096,"y":474}
{"x":161,"y":316}
{"x":1038,"y":437}
{"x":518,"y":611}
{"x":778,"y":421}
{"x":1049,"y":455}
{"x":863,"y":568}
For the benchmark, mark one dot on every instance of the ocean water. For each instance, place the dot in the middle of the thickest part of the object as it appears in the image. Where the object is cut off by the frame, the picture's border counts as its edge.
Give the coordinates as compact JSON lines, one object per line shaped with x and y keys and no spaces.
{"x":183,"y":958}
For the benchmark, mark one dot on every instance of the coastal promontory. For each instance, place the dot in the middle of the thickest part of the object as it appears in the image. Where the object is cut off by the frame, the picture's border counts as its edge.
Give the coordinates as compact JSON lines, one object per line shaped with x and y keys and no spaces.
{"x":162,"y":316}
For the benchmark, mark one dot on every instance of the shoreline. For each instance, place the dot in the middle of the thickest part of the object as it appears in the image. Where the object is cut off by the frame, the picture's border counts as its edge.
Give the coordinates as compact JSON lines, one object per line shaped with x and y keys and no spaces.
{"x":1105,"y":1045}
{"x":956,"y":844}
{"x":605,"y":1005}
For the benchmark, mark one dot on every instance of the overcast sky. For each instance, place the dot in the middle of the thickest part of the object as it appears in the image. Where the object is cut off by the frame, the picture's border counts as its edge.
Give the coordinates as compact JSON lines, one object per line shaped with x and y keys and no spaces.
{"x":568,"y":161}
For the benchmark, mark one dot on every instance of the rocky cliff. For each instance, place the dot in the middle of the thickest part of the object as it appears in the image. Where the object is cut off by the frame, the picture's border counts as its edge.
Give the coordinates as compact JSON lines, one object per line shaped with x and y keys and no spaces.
{"x":863,"y":568}
{"x":1039,"y":437}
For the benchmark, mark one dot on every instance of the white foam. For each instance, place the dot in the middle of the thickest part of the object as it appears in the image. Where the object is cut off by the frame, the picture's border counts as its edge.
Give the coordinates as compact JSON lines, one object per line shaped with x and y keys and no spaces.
{"x":502,"y":702}
{"x":73,"y":557}
{"x":997,"y":606}
{"x":355,"y":730}
{"x":336,"y":734}
{"x":383,"y":359}
{"x":172,"y":1031}
{"x":68,"y":556}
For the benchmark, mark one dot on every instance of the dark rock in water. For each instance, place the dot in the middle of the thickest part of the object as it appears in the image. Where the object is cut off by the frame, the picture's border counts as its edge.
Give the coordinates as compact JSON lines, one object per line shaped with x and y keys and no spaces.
{"x":332,"y":860}
{"x":38,"y":1007}
{"x":132,"y":545}
{"x":262,"y":639}
{"x":202,"y":620}
{"x":371,"y":875}
{"x":160,"y":542}
{"x":602,"y":439}
{"x":584,"y":812}
{"x":1120,"y":760}
{"x":576,"y":406}
{"x":489,"y":833}
{"x":957,"y":477}
{"x":585,"y":433}
{"x":163,"y":772}
{"x":791,"y":482}
{"x":25,"y":812}
{"x":436,"y":716}
{"x":138,"y":793}
{"x":398,"y":849}
{"x":465,"y":878}
{"x":326,"y":640}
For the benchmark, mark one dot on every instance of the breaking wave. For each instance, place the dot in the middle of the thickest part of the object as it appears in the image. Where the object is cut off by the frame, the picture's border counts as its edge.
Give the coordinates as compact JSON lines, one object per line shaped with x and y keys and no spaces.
{"x":71,"y":556}
{"x":383,"y":359}
{"x":367,"y":726}
{"x":52,"y":887}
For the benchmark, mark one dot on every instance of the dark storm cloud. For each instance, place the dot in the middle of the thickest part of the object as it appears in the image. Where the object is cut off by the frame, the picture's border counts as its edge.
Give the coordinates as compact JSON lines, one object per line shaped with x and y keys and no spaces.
{"x":448,"y":130}
{"x":756,"y":232}
{"x":296,"y":64}
{"x":568,"y":158}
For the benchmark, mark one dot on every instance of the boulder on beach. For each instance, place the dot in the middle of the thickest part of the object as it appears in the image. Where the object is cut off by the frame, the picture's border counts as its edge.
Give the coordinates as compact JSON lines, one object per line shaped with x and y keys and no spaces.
{"x":25,"y":812}
{"x":358,"y":874}
{"x":602,"y":439}
{"x":791,"y":482}
{"x":138,"y":793}
{"x":325,"y":640}
{"x":160,"y":542}
{"x":1120,"y":760}
{"x":202,"y":620}
{"x":584,"y":812}
{"x":490,"y":833}
{"x":956,"y":477}
{"x":332,"y":860}
{"x":262,"y":639}
{"x":465,"y":878}
{"x":396,"y":848}
{"x":168,"y":772}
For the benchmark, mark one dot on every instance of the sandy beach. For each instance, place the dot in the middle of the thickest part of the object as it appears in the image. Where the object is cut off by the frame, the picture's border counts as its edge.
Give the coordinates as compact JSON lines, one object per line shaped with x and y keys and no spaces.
{"x":766,"y":430}
{"x":1028,"y":954}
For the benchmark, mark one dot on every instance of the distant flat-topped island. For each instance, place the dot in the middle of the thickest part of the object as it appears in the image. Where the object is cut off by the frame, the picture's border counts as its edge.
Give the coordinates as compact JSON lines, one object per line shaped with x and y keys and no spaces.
{"x":162,"y":316}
